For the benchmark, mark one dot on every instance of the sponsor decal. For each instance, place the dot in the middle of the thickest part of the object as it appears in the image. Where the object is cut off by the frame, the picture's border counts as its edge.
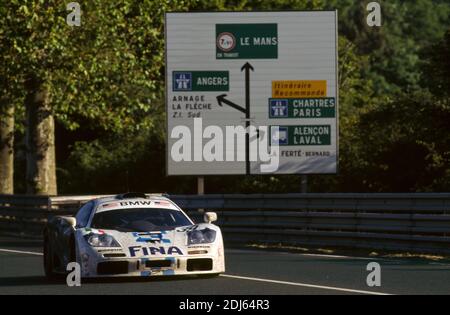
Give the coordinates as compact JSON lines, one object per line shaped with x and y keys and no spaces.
{"x":302,"y":107}
{"x":158,"y":270}
{"x":153,"y":250}
{"x":89,"y":231}
{"x":247,"y":41}
{"x":163,"y":203}
{"x":307,"y":135}
{"x":135,"y":203}
{"x":109,"y":250}
{"x":199,"y":246}
{"x":200,"y":81}
{"x":110,"y":205}
{"x":188,"y":228}
{"x":299,"y":89}
{"x":168,"y":272}
{"x":148,"y":237}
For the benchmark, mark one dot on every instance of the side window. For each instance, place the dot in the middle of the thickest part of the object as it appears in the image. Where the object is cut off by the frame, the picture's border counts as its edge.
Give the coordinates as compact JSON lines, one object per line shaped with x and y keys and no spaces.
{"x":83,"y":214}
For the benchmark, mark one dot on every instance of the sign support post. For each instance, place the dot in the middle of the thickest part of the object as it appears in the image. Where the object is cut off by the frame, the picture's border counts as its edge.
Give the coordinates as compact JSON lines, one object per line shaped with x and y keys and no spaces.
{"x":201,"y":189}
{"x":247,"y":67}
{"x":200,"y":185}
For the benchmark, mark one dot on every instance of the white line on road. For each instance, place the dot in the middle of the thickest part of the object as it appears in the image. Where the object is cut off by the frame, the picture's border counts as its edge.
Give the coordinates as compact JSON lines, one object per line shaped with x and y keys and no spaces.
{"x":246,"y":278}
{"x":20,"y":252}
{"x":253,"y":251}
{"x":305,"y":285}
{"x":256,"y":250}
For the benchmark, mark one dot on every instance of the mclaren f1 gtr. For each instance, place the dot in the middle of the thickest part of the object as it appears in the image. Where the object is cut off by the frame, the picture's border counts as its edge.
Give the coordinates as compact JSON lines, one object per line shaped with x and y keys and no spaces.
{"x":133,"y":234}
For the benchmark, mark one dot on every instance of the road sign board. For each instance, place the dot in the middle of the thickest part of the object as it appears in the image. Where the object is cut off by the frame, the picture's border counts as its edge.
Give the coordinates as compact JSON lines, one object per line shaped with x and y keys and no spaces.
{"x":239,"y":83}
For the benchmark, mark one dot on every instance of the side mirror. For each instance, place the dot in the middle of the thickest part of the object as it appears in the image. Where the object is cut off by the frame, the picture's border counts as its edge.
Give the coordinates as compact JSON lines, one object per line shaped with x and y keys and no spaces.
{"x":71,"y":221}
{"x":210,"y":217}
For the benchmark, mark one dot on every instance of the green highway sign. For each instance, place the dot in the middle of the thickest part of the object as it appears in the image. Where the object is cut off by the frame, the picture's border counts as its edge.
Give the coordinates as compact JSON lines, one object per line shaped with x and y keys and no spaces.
{"x":247,"y":41}
{"x":305,"y":135}
{"x":302,"y":107}
{"x":195,"y":81}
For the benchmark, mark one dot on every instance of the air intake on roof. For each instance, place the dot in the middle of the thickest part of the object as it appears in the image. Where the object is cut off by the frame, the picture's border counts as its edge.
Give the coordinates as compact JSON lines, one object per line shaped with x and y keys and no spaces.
{"x":132,"y":195}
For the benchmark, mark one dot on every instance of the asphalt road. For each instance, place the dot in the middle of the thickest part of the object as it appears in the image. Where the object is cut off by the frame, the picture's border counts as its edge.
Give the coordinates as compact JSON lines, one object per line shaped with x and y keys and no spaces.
{"x":249,"y":272}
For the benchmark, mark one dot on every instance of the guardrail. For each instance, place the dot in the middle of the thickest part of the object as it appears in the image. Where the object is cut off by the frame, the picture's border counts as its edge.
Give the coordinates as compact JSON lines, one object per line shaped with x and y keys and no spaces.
{"x":26,"y":215}
{"x":403,"y":222}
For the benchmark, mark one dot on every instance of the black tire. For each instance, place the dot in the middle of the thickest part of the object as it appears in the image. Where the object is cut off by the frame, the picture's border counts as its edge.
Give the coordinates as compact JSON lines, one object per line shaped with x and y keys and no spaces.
{"x":48,"y":260}
{"x":73,"y":250}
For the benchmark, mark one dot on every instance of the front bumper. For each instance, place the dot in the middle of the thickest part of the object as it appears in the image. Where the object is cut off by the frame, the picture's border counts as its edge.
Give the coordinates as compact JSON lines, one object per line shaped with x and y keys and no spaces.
{"x":94,"y":265}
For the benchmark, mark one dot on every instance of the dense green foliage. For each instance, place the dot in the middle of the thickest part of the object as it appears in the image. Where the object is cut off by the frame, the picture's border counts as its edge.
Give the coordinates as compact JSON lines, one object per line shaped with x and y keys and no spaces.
{"x":106,"y":83}
{"x":394,"y":49}
{"x":107,"y":71}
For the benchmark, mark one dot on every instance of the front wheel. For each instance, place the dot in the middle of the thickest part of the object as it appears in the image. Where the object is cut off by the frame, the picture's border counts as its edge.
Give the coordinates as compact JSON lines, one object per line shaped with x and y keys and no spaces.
{"x":48,"y":260}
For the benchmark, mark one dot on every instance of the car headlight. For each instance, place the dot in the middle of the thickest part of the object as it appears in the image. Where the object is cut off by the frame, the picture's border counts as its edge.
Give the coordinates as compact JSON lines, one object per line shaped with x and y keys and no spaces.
{"x":101,"y":240}
{"x":201,"y":236}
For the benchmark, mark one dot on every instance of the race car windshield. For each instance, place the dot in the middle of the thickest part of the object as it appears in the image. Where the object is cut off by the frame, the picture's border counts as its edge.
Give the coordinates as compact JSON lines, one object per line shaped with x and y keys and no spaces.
{"x":139,"y":220}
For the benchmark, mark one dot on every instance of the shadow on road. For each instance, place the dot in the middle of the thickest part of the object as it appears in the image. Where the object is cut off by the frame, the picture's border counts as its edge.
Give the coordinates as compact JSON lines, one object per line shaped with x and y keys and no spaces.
{"x":23,"y":281}
{"x":20,"y":243}
{"x":146,"y":279}
{"x":42,"y":280}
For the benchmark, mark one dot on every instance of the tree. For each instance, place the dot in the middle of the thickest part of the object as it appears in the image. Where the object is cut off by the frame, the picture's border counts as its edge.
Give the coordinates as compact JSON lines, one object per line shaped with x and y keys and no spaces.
{"x":34,"y":37}
{"x":394,"y":48}
{"x":107,"y":71}
{"x":10,"y":97}
{"x":436,"y":67}
{"x":6,"y":146}
{"x":40,"y":138}
{"x":407,"y":138}
{"x":236,"y":5}
{"x":407,"y":144}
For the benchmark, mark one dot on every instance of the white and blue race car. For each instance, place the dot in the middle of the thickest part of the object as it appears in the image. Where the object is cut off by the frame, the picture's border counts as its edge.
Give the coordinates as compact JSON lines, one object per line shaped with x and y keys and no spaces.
{"x":133,"y":234}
